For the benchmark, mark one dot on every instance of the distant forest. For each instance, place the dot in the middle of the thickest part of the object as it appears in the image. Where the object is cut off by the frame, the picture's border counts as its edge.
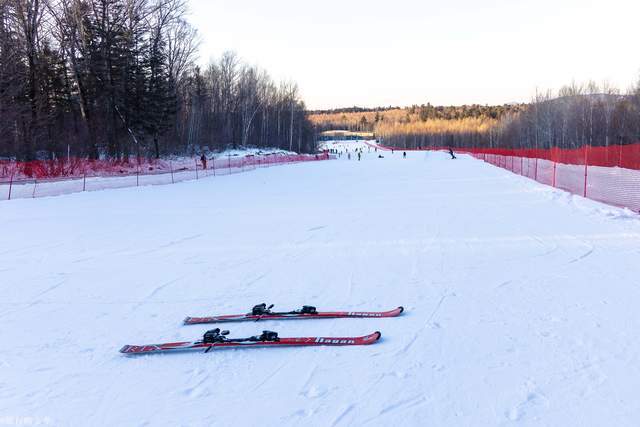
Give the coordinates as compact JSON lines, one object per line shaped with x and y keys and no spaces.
{"x":577,"y":115}
{"x":419,"y":125}
{"x":116,"y":78}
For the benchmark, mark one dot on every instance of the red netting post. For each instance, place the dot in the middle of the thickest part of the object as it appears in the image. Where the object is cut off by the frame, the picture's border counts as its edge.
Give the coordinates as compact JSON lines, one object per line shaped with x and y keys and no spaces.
{"x":620,"y":156}
{"x":35,"y":185}
{"x":10,"y":185}
{"x":229,"y":163}
{"x":553,"y":183}
{"x":586,"y":161}
{"x":196,"y":162}
{"x":535,"y":173}
{"x":213,"y":165}
{"x":84,"y":180}
{"x":171,"y":169}
{"x":522,"y":165}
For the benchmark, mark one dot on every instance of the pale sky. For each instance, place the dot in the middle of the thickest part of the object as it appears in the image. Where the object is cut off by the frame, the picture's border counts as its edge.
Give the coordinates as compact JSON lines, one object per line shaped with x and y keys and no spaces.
{"x":447,"y":52}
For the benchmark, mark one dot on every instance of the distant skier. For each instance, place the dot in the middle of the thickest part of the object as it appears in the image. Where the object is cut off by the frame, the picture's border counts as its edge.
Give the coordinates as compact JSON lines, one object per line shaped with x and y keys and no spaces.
{"x":203,"y":159}
{"x":392,"y":151}
{"x":348,"y":155}
{"x":453,"y":156}
{"x":358,"y":156}
{"x":404,"y":154}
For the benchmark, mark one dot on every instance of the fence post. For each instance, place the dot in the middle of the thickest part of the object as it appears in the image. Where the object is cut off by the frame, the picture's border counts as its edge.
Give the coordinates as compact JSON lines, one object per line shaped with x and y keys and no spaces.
{"x":196,"y":162}
{"x":138,"y":172}
{"x":586,"y":161}
{"x":554,"y":173}
{"x":171,"y":168}
{"x":522,"y":165}
{"x":213,"y":165}
{"x":35,"y":185}
{"x":10,"y":185}
{"x":84,"y":180}
{"x":536,"y":170}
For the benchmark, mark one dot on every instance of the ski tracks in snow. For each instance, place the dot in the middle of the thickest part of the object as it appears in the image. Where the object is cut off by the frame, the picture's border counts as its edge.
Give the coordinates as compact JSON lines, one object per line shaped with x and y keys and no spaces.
{"x":425,"y":325}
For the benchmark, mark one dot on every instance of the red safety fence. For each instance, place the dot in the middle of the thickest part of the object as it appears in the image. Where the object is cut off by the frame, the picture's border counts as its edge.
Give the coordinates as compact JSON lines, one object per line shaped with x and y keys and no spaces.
{"x":607,"y":174}
{"x":56,"y":177}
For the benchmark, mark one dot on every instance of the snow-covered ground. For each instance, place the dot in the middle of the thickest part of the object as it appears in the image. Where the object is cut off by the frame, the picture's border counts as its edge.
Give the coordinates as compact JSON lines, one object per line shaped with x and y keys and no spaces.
{"x":522,"y":301}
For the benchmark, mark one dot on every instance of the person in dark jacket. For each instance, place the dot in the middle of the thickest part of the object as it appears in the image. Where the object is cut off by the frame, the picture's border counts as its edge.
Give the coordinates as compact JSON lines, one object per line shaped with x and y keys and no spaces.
{"x":453,"y":156}
{"x":203,"y":159}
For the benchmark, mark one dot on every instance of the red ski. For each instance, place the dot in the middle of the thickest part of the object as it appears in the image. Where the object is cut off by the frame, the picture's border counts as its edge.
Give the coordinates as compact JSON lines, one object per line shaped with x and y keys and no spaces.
{"x":262,"y":312}
{"x":217,"y":339}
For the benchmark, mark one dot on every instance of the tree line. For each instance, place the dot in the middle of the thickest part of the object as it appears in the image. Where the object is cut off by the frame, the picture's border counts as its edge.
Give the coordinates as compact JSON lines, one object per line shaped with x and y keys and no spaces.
{"x":575,"y":116}
{"x":371,"y":120}
{"x":118,"y":78}
{"x":421,"y":125}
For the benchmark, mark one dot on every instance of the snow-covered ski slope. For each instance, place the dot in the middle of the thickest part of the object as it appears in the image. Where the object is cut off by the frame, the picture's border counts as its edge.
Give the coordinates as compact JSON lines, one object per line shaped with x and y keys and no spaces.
{"x":521,"y":301}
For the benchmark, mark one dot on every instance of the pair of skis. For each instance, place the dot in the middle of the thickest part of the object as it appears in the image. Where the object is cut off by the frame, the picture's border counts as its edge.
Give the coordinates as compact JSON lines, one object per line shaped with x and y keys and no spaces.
{"x":218,"y":339}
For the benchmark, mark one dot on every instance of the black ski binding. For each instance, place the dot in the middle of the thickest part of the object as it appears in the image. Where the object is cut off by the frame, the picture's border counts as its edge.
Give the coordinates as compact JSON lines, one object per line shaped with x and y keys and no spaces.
{"x":308,"y":309}
{"x":215,"y":336}
{"x":261,"y":309}
{"x":268,"y":336}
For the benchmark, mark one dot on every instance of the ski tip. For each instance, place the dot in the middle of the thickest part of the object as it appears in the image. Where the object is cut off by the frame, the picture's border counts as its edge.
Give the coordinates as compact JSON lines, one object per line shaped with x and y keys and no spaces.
{"x":401,"y":308}
{"x":378,"y":335}
{"x":186,"y":321}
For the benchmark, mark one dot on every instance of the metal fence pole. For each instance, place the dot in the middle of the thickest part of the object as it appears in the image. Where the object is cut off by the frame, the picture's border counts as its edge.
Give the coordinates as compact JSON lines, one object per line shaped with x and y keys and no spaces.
{"x":171,"y":168}
{"x":586,"y":161}
{"x":196,"y":162}
{"x":10,"y":185}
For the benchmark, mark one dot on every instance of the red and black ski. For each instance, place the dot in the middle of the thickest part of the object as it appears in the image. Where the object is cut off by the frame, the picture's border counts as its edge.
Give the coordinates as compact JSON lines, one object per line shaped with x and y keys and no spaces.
{"x":267,"y":339}
{"x":261,"y":312}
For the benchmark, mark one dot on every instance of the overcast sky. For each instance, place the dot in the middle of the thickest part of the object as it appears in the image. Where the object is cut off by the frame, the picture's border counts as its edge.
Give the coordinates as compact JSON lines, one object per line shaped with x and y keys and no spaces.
{"x":402,"y":52}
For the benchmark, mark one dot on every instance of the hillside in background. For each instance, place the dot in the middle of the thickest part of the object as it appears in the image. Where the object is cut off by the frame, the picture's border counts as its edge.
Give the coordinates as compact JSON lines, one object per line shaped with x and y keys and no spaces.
{"x":418,"y":125}
{"x":361,"y":119}
{"x":575,"y":116}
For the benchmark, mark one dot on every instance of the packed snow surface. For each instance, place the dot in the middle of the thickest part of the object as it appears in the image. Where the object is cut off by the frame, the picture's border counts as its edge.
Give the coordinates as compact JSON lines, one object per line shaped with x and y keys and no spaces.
{"x":521,"y":301}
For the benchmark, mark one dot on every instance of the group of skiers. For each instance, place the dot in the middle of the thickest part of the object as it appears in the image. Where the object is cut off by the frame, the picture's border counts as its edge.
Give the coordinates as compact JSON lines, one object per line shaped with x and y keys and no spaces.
{"x":359,"y":151}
